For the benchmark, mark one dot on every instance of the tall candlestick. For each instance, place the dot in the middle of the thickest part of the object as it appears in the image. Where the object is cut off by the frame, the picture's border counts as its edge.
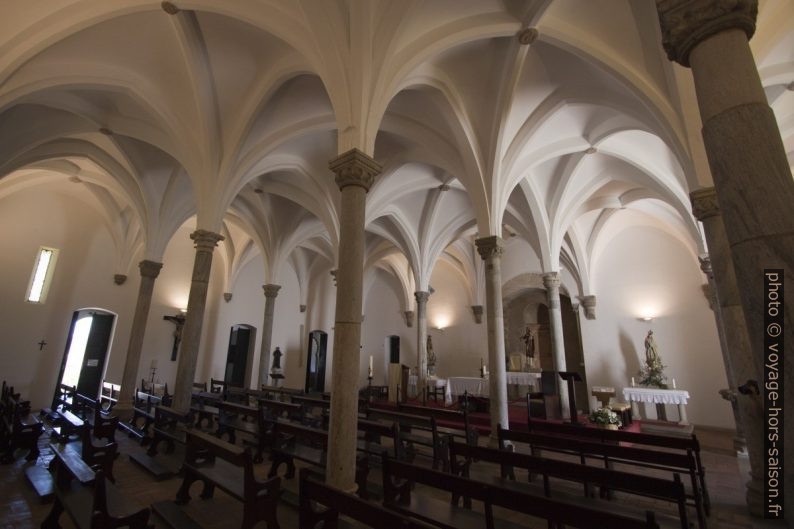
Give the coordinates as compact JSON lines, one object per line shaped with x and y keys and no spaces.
{"x":632,"y":381}
{"x":154,"y":364}
{"x":673,"y":383}
{"x":370,"y":367}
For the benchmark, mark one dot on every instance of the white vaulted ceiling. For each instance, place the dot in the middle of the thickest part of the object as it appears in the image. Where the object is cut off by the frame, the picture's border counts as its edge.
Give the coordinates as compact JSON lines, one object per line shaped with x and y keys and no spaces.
{"x":229,"y":112}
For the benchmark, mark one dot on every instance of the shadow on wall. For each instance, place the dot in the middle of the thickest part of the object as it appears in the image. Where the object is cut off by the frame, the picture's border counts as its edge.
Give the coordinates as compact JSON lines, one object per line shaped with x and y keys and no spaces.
{"x":630,"y":356}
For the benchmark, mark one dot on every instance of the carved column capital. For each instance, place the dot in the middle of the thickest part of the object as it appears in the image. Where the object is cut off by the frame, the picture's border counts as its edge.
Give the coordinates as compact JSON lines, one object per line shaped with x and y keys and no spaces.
{"x":589,"y":304}
{"x":489,"y":247}
{"x":409,"y":318}
{"x":686,"y":23}
{"x":205,"y":240}
{"x":227,"y":296}
{"x":150,"y":268}
{"x":705,"y":265}
{"x":704,"y":203}
{"x":421,"y":296}
{"x":477,"y":311}
{"x":271,"y":291}
{"x":551,"y":280}
{"x":354,"y":168}
{"x":119,"y":279}
{"x":302,"y":308}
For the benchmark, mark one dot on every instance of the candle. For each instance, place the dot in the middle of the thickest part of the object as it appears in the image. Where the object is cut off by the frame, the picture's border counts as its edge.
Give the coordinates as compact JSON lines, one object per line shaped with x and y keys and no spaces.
{"x":154,"y":363}
{"x":632,"y":381}
{"x":370,"y":366}
{"x":673,"y":383}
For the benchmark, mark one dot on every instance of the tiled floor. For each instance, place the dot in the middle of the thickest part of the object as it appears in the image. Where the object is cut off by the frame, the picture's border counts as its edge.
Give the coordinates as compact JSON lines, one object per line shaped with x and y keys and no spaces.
{"x":19,"y":507}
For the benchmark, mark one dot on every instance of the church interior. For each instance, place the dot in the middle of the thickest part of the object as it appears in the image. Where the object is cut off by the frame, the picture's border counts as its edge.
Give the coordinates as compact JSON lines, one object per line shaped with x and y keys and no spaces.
{"x":492,"y":233}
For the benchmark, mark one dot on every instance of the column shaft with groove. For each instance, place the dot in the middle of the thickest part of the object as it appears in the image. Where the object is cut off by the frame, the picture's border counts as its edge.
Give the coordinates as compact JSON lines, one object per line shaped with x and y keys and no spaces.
{"x":552,"y":283}
{"x":421,"y":342}
{"x":271,"y":291}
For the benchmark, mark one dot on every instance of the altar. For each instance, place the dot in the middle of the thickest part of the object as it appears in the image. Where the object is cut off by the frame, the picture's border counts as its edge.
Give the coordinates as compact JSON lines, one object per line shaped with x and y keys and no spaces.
{"x":636,"y":395}
{"x":431,"y":381}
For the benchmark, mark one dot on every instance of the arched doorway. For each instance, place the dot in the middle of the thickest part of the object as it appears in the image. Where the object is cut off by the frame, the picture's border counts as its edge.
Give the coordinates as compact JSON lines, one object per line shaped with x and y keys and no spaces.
{"x":87,"y":350}
{"x":240,"y":357}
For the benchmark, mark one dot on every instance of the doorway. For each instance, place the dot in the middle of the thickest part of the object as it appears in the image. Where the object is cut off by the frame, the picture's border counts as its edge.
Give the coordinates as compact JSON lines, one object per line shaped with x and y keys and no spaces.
{"x":315,"y":364}
{"x":87,"y":350}
{"x":239,"y":359}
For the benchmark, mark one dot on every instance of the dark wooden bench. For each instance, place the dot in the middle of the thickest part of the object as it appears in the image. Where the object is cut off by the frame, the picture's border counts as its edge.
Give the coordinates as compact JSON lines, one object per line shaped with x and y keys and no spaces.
{"x":233,"y":417}
{"x":399,"y":478}
{"x":90,"y":503}
{"x":462,"y":457}
{"x":143,"y":405}
{"x":237,"y":395}
{"x":169,"y":427}
{"x":217,"y":463}
{"x":102,"y":423}
{"x":199,"y":386}
{"x":602,"y":435}
{"x":410,"y":425}
{"x":67,"y":426}
{"x":316,"y":411}
{"x":449,"y":421}
{"x":275,"y":393}
{"x":204,"y":405}
{"x":335,"y":502}
{"x":217,"y":386}
{"x":609,"y":454}
{"x":19,"y":429}
{"x":292,"y":441}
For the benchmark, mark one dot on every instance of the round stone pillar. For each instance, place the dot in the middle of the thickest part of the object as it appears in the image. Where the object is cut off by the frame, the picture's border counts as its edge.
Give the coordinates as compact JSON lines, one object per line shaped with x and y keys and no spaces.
{"x":355,"y":173}
{"x":205,"y":242}
{"x":740,"y":366}
{"x":149,"y":272}
{"x":748,"y":162}
{"x":271,"y":291}
{"x":421,"y":342}
{"x":491,"y":250}
{"x":552,"y":283}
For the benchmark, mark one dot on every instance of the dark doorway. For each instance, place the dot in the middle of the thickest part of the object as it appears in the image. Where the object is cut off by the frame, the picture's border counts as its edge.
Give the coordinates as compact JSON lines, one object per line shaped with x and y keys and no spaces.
{"x":315,"y":364}
{"x":393,"y":349}
{"x":239,"y":358}
{"x":87,"y":349}
{"x":574,"y":355}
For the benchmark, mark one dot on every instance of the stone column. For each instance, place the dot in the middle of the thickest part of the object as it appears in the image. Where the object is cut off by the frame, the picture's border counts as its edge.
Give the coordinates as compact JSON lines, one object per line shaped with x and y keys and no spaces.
{"x":205,"y":243}
{"x":552,"y":283}
{"x":491,"y":249}
{"x":271,"y":291}
{"x":355,"y":172}
{"x":752,"y":176}
{"x":149,"y":272}
{"x":421,"y":342}
{"x":739,"y":364}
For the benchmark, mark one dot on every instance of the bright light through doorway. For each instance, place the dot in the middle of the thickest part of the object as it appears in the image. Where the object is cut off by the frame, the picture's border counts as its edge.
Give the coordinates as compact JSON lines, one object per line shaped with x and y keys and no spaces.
{"x":42,"y":275}
{"x":74,"y":359}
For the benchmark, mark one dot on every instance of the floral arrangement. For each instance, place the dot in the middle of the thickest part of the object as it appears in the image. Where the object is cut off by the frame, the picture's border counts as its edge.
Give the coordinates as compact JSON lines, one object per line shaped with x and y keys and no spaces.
{"x":653,"y":376}
{"x":605,"y":416}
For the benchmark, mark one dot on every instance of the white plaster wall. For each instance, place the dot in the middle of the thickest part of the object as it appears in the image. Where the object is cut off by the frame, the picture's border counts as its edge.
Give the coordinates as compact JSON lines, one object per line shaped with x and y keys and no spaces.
{"x":83,"y":278}
{"x":644,"y":269}
{"x":463,"y":343}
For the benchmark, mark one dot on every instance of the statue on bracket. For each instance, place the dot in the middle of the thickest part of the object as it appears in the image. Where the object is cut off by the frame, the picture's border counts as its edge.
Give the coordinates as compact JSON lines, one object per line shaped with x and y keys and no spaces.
{"x":431,"y":357}
{"x":276,"y":367}
{"x":652,"y":373}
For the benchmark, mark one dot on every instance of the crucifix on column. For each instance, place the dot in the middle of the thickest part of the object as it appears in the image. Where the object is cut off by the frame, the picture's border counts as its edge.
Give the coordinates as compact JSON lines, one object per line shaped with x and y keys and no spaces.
{"x":179,"y":322}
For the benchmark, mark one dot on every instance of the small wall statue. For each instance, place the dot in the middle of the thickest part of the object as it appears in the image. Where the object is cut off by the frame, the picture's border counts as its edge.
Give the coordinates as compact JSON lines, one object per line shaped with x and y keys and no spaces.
{"x":276,"y":367}
{"x":652,"y":373}
{"x":431,"y":357}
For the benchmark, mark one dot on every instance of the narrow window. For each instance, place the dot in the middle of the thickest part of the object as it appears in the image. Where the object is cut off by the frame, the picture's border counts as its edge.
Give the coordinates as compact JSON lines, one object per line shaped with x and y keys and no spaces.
{"x":42,"y":274}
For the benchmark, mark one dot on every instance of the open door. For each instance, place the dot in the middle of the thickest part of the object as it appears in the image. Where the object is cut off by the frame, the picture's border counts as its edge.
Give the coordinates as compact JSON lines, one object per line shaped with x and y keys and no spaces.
{"x":315,"y":365}
{"x":87,"y":349}
{"x":239,"y":359}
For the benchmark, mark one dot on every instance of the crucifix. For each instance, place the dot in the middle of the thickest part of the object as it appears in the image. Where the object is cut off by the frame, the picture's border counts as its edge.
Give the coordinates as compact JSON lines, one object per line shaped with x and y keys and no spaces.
{"x":179,"y":321}
{"x":42,"y":343}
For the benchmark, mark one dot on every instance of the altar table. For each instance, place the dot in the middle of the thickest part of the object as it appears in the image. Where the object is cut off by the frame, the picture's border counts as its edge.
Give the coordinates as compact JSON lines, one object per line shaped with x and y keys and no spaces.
{"x":678,"y":397}
{"x":523,"y":378}
{"x":439,"y":382}
{"x":475,"y":386}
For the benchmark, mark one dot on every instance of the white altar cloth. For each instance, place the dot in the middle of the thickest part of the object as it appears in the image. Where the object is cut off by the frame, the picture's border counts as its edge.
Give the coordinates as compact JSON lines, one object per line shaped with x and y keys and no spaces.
{"x":475,"y":386}
{"x":678,"y":397}
{"x":656,"y":395}
{"x":522,"y":378}
{"x":439,"y":382}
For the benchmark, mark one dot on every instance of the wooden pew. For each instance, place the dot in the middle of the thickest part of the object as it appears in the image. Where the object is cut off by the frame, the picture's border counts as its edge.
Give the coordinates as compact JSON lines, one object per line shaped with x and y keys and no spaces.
{"x":409,"y":424}
{"x":608,"y":454}
{"x":315,"y":410}
{"x":336,"y":502}
{"x":90,"y":411}
{"x":143,"y":405}
{"x":90,"y":501}
{"x":18,"y":427}
{"x":399,"y":478}
{"x":169,"y":426}
{"x":293,"y":441}
{"x":237,"y":395}
{"x":199,"y":386}
{"x":66,"y":425}
{"x":204,"y":405}
{"x":276,"y":393}
{"x":234,"y":418}
{"x":219,"y":464}
{"x":445,"y":416}
{"x":462,"y":456}
{"x":217,"y":386}
{"x":602,"y":435}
